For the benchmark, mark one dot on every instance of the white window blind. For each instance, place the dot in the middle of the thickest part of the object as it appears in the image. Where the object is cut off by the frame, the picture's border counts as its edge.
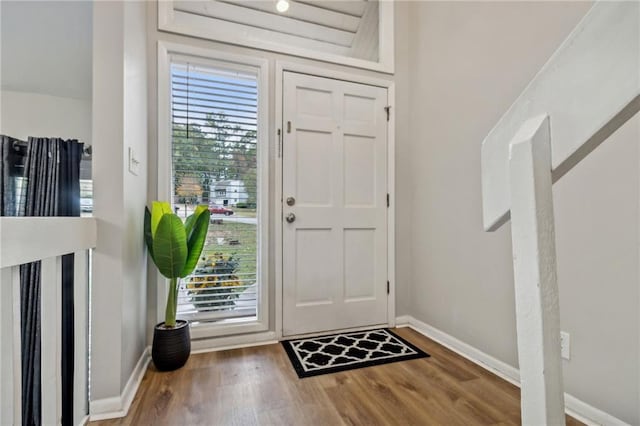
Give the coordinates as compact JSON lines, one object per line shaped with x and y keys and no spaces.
{"x":214,"y":162}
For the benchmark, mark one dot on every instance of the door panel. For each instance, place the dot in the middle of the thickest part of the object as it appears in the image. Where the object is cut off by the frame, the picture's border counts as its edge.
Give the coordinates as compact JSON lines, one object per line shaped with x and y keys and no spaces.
{"x":359,"y":171}
{"x":314,"y":158}
{"x":359,"y":255}
{"x":314,"y":251}
{"x":335,"y":167}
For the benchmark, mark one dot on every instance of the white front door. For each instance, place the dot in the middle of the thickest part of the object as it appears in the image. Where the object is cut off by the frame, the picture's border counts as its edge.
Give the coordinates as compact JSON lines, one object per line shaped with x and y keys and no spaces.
{"x":334,"y":205}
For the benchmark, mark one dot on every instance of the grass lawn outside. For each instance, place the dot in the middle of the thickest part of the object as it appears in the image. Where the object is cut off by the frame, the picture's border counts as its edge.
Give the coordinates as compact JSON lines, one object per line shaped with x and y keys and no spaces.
{"x":244,"y":212}
{"x":221,"y":239}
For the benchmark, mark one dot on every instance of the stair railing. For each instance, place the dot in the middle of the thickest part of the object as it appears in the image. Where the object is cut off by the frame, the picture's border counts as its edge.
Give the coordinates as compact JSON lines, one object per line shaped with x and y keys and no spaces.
{"x":29,"y":239}
{"x":585,"y":92}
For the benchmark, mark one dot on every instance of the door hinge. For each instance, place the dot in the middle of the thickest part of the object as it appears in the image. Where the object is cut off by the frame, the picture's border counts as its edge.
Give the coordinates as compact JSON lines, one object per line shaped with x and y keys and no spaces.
{"x":279,"y":143}
{"x":388,"y":111}
{"x":288,"y":127}
{"x":388,"y":287}
{"x":388,"y":200}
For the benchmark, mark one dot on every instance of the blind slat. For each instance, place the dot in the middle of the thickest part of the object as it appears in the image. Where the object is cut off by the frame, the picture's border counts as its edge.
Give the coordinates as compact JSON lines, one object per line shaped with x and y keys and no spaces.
{"x":211,"y":104}
{"x":187,"y":86}
{"x":191,"y":77}
{"x":218,"y":101}
{"x":215,"y":299}
{"x":191,"y":117}
{"x":249,"y":100}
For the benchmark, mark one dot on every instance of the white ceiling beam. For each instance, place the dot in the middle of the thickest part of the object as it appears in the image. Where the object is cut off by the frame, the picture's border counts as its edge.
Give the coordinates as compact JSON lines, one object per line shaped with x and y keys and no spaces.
{"x":243,"y":35}
{"x":259,"y":19}
{"x":351,"y":7}
{"x":304,"y":12}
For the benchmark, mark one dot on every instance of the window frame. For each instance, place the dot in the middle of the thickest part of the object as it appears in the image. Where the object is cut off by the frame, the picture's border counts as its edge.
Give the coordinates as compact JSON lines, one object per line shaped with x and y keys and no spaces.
{"x":215,"y":58}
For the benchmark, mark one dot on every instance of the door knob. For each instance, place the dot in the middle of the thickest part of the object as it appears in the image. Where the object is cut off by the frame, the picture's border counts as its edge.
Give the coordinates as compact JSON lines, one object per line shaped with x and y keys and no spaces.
{"x":290,"y":218}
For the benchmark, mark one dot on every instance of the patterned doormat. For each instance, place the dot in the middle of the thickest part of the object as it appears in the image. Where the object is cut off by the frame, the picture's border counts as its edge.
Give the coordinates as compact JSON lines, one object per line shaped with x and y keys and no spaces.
{"x":346,"y":351}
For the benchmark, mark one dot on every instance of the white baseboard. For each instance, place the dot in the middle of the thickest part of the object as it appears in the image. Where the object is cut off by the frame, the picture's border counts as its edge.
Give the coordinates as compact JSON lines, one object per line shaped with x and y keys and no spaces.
{"x":118,"y":406}
{"x":233,"y":342}
{"x":576,"y":408}
{"x":494,"y":365}
{"x":589,"y":414}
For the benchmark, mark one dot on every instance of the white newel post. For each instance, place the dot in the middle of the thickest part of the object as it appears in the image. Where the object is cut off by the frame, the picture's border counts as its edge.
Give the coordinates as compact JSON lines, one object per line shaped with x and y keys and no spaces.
{"x":536,"y":287}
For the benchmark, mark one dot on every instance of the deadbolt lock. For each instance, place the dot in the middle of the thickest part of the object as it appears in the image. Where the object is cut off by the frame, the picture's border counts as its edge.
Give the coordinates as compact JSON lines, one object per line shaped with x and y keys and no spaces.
{"x":291,"y":201}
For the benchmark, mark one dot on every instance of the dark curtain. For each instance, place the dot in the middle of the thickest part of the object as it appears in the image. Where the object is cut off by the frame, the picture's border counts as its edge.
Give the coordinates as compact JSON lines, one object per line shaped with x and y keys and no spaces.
{"x":69,"y":205}
{"x":11,"y":168}
{"x":52,"y":170}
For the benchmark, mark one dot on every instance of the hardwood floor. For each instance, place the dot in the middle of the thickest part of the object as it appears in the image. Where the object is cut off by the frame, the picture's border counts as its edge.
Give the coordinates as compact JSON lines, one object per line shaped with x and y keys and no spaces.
{"x":258,"y":386}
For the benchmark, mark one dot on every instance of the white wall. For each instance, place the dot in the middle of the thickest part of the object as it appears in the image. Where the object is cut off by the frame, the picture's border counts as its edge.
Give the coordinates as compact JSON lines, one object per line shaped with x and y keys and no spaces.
{"x":135,"y":186}
{"x":597,"y":242}
{"x":468,"y":61}
{"x":47,"y":47}
{"x":33,"y":114}
{"x":119,"y":269}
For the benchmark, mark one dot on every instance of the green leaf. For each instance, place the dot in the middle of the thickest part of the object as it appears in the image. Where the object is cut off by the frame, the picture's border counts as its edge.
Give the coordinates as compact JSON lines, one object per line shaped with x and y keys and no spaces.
{"x":170,"y":246}
{"x":158,"y":209}
{"x":196,"y":242}
{"x":148,"y":239}
{"x":191,"y":220}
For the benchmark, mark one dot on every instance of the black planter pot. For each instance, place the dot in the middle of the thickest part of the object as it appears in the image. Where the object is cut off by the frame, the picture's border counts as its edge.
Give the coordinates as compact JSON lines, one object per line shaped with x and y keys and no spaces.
{"x":171,"y":346}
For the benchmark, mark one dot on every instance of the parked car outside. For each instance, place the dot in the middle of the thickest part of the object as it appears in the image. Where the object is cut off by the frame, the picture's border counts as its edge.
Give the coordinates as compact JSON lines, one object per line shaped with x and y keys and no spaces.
{"x":220,"y":210}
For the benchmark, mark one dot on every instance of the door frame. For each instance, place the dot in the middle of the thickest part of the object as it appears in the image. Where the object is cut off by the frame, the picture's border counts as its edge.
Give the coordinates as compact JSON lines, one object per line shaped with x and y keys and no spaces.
{"x":280,"y":69}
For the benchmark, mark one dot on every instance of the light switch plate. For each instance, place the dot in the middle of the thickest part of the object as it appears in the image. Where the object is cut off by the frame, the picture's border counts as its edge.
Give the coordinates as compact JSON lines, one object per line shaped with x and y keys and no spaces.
{"x":134,"y":163}
{"x":565,"y":345}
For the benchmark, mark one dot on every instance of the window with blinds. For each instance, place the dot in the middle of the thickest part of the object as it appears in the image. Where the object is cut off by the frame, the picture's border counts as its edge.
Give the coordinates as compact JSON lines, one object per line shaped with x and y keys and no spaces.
{"x":214,"y":162}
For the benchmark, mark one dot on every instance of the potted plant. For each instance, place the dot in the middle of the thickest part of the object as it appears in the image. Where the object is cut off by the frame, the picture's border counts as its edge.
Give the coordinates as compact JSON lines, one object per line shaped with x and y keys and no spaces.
{"x":174,"y":247}
{"x":215,"y":283}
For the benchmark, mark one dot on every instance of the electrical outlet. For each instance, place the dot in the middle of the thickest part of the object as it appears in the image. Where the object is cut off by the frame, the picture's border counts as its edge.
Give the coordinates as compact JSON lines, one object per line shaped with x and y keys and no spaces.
{"x":565,"y":345}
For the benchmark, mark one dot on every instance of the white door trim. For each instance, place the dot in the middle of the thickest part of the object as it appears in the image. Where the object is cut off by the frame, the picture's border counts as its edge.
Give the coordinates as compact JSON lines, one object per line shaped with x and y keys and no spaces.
{"x":281,"y":67}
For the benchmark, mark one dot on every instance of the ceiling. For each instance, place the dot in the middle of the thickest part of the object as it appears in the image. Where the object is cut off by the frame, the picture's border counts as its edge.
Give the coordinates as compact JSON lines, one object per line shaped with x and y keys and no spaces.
{"x":46,"y":47}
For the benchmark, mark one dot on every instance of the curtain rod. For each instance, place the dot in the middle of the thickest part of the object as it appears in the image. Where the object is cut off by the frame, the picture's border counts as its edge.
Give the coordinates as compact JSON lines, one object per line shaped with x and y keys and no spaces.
{"x":17,"y":143}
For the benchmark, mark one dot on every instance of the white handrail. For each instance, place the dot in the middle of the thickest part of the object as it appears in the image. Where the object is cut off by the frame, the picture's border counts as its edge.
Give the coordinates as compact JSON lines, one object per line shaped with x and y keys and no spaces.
{"x":28,"y":239}
{"x":588,"y":88}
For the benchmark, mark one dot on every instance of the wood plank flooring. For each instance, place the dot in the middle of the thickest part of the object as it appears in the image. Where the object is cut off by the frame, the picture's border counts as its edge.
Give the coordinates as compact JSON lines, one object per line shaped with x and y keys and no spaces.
{"x":258,"y":386}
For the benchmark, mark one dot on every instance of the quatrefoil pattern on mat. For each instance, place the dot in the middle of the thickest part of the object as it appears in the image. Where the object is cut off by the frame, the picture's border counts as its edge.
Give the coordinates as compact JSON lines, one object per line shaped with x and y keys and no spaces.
{"x":345,"y":351}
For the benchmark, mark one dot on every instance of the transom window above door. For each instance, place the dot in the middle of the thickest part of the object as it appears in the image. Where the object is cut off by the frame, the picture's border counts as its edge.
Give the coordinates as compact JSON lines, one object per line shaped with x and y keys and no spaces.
{"x":356,"y":33}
